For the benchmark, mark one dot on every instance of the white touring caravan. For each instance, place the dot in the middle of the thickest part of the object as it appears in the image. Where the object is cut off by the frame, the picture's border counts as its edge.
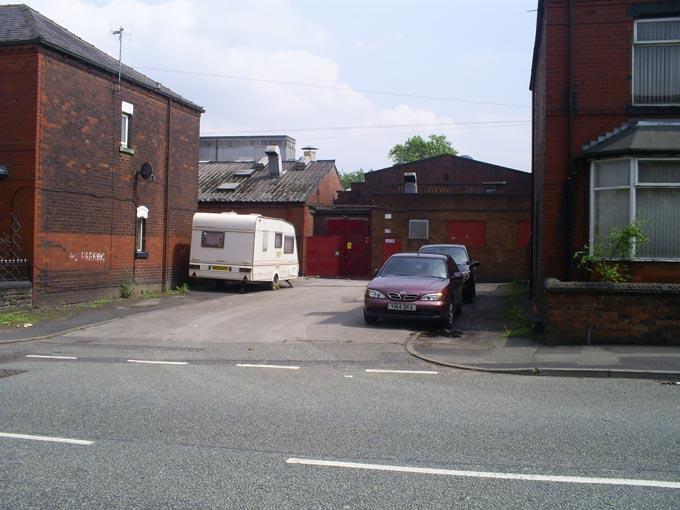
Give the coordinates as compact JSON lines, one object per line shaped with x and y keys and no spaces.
{"x":247,"y":248}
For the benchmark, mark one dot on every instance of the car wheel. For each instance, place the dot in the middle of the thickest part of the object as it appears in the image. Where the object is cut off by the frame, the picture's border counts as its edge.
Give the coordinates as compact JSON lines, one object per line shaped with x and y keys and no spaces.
{"x":447,"y":319}
{"x":274,"y":285}
{"x":369,"y":319}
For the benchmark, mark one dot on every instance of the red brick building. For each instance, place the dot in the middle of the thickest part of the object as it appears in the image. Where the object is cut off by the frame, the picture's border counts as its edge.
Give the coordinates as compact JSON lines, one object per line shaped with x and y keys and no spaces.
{"x":290,"y":190}
{"x":444,"y":199}
{"x":606,"y":143}
{"x":77,"y":149}
{"x":606,"y":152}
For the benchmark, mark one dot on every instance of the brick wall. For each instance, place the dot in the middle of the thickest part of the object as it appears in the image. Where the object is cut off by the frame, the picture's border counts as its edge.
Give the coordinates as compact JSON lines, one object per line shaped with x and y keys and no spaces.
{"x":602,"y":60}
{"x":87,"y":192}
{"x":15,"y":296}
{"x":18,"y":112}
{"x":501,"y":258}
{"x":622,"y":313}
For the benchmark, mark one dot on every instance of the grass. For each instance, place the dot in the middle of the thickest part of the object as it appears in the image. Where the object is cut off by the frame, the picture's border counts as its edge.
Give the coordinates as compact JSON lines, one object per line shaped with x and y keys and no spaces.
{"x":517,"y":321}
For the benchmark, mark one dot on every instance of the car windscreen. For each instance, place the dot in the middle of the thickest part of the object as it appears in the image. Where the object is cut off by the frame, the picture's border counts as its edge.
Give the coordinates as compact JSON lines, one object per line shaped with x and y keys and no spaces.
{"x":456,"y":253}
{"x":414,"y":266}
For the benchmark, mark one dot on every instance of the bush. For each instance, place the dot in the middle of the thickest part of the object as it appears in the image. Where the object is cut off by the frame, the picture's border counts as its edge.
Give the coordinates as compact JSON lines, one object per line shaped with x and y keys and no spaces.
{"x":606,"y":258}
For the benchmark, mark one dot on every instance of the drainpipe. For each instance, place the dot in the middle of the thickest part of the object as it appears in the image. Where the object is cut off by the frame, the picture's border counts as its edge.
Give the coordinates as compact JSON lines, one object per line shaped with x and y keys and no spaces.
{"x":167,"y":193}
{"x":569,"y":183}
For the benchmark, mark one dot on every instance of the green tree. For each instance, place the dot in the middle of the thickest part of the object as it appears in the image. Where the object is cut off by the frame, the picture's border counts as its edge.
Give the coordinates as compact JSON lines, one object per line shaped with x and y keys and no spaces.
{"x":417,"y":147}
{"x":347,"y":178}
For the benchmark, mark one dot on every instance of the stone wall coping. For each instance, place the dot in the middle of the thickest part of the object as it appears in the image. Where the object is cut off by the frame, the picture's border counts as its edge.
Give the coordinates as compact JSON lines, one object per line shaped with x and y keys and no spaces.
{"x":555,"y":286}
{"x":18,"y":284}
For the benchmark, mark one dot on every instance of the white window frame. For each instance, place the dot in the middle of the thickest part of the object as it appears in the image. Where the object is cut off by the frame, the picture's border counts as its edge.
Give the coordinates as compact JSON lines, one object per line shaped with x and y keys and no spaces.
{"x":142,"y":217}
{"x":668,"y":42}
{"x":124,"y":129}
{"x":634,"y":183}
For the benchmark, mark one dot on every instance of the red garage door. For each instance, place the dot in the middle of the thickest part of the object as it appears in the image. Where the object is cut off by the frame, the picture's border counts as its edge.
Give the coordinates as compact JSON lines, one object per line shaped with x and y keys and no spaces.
{"x":355,"y":248}
{"x":322,"y":255}
{"x":470,"y":233}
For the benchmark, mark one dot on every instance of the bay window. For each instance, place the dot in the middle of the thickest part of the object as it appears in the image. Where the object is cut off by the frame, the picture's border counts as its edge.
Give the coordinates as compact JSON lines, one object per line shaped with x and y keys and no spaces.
{"x":646,"y":190}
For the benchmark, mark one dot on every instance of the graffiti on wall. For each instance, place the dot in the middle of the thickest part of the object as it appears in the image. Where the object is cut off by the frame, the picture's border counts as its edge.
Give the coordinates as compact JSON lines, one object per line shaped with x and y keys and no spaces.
{"x":87,"y":256}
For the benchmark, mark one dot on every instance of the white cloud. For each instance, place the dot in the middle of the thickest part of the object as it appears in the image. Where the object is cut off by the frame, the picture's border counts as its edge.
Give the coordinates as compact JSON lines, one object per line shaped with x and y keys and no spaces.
{"x":265,"y":39}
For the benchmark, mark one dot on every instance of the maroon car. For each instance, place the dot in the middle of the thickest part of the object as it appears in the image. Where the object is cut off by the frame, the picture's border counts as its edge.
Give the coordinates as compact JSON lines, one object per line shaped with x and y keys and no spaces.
{"x":415,"y":286}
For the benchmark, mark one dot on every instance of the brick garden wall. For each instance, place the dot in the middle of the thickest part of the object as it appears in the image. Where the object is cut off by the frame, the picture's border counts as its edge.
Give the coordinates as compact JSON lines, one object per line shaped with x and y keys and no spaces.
{"x":641,"y":313}
{"x":87,"y":190}
{"x":15,"y":296}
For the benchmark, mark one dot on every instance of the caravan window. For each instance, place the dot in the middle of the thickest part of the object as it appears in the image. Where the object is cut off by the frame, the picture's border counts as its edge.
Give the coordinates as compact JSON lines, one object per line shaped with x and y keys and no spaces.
{"x":212,"y":239}
{"x":265,"y":237}
{"x":277,"y":240}
{"x":289,"y":244}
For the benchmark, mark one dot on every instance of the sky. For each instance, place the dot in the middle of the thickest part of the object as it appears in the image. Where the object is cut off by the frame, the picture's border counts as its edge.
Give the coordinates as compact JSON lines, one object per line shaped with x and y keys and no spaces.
{"x":350,"y":77}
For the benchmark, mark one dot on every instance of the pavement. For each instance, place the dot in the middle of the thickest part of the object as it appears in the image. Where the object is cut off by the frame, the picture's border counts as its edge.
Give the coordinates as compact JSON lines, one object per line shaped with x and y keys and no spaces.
{"x":477,"y":342}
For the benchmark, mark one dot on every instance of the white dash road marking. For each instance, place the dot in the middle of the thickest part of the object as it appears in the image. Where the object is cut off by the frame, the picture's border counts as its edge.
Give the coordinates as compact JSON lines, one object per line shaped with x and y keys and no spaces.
{"x":250,"y":365}
{"x":49,"y":357}
{"x":81,"y":442}
{"x":157,"y":362}
{"x":349,"y":376}
{"x":380,"y":371}
{"x":663,"y":484}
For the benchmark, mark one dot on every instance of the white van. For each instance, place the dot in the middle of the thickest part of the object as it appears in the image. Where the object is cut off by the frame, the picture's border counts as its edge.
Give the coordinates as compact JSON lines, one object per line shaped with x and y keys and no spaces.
{"x":248,"y":248}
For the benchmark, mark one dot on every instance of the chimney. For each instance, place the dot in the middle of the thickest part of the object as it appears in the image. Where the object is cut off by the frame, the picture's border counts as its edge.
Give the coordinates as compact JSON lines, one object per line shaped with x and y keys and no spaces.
{"x":309,"y":153}
{"x":410,"y":182}
{"x":274,"y":156}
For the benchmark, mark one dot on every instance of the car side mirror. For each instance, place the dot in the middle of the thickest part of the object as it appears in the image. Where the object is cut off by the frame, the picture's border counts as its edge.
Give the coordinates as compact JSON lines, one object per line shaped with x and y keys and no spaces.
{"x":375,"y":272}
{"x":457,"y":275}
{"x":475,"y":264}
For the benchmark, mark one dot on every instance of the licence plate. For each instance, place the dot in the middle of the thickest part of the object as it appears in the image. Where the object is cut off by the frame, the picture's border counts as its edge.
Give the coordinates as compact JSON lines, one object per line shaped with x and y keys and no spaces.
{"x":409,"y":307}
{"x":220,"y":268}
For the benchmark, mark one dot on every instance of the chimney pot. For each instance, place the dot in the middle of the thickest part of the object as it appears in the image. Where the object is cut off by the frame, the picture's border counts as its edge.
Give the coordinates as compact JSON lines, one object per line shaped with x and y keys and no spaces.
{"x":309,"y":153}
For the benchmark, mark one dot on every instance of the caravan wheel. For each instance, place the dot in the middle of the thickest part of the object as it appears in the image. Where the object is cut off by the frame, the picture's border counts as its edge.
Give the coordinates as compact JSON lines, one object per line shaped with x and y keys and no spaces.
{"x":274,"y":285}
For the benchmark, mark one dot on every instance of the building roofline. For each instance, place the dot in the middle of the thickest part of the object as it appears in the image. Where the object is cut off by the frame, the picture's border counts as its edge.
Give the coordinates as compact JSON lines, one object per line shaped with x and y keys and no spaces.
{"x":38,"y":39}
{"x":477,"y":161}
{"x":540,"y":14}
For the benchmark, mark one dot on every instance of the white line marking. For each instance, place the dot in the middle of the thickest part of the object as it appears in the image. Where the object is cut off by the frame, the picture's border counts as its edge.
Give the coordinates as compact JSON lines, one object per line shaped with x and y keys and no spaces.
{"x":349,"y":376}
{"x":485,"y":474}
{"x":82,"y":442}
{"x":379,"y":371}
{"x":158,"y":362}
{"x":50,"y":357}
{"x":249,"y":365}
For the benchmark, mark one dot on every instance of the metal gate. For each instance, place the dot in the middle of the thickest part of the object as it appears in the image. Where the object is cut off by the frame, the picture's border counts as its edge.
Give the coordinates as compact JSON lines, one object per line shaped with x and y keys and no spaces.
{"x":355,"y":250}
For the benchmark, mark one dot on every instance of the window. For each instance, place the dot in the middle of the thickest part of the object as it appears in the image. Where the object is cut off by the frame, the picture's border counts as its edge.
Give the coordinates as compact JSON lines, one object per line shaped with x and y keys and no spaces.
{"x":288,"y":244}
{"x":127,"y":110}
{"x":278,"y":240}
{"x":124,"y":129}
{"x":265,"y":239}
{"x":140,"y":232}
{"x":212,"y":239}
{"x":623,"y":190}
{"x":656,"y":62}
{"x":418,"y":229}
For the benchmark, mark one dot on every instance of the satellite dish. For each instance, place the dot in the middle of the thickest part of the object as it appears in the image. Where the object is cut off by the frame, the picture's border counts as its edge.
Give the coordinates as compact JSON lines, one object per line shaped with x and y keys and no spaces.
{"x":146,"y":171}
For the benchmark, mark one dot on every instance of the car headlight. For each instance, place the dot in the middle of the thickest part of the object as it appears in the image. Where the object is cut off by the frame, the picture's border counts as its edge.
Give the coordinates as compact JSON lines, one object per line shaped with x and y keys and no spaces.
{"x":435,"y":296}
{"x":372,"y":293}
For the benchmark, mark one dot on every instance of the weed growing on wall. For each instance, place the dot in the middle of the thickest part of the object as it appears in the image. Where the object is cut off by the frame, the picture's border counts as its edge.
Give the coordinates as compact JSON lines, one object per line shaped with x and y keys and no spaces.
{"x":606,"y":258}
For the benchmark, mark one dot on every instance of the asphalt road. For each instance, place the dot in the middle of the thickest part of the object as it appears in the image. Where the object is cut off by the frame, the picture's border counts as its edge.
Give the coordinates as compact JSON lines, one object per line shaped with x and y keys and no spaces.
{"x":213,"y":431}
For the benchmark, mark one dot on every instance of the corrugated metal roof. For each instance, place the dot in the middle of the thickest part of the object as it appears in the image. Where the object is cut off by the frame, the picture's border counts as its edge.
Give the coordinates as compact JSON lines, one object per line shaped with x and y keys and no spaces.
{"x":19,"y":24}
{"x":293,"y":186}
